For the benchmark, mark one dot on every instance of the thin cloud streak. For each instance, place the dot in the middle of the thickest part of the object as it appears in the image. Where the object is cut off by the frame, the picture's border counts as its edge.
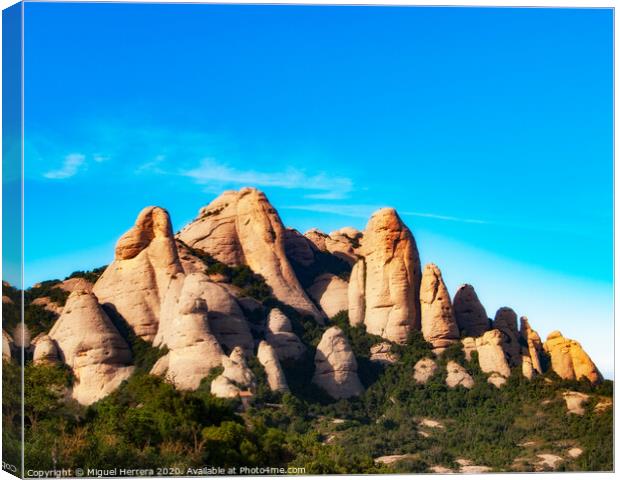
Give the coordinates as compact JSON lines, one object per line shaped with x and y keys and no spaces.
{"x":70,"y":167}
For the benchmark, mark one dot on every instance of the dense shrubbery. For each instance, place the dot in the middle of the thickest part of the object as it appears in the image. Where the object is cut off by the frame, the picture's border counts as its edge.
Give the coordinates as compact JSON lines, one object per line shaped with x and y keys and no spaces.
{"x":91,"y":275}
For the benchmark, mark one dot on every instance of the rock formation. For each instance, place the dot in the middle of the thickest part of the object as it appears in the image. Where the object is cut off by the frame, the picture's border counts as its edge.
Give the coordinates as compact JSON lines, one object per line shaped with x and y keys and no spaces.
{"x":21,"y":336}
{"x":317,"y":238}
{"x":279,"y":334}
{"x":491,"y":355}
{"x":185,"y":330}
{"x":355,"y":293}
{"x":457,"y":375}
{"x":439,"y":326}
{"x":89,"y":343}
{"x":243,"y":228}
{"x":569,"y":360}
{"x":299,"y":248}
{"x":424,"y":369}
{"x":344,"y":244}
{"x":382,"y":353}
{"x":269,"y":360}
{"x":496,"y":379}
{"x":7,"y":344}
{"x":471,"y":317}
{"x":335,"y":366}
{"x":574,"y":402}
{"x":469,"y":346}
{"x":393,"y":274}
{"x":45,"y":350}
{"x":506,"y":322}
{"x":330,"y":292}
{"x":145,"y":262}
{"x":235,"y":378}
{"x":532,"y":350}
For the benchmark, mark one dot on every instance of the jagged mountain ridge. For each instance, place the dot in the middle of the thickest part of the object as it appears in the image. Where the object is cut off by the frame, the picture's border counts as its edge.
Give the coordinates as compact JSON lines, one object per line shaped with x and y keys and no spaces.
{"x":159,"y":286}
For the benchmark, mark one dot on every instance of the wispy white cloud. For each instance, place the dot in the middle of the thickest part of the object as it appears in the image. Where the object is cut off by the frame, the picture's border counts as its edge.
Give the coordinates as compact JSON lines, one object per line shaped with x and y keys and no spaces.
{"x":70,"y":166}
{"x":211,"y":172}
{"x":99,"y":158}
{"x":445,"y":217}
{"x":152,"y":166}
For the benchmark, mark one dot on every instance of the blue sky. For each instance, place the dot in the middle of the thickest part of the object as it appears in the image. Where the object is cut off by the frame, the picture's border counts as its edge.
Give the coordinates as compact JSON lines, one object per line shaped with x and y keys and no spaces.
{"x":490,"y":131}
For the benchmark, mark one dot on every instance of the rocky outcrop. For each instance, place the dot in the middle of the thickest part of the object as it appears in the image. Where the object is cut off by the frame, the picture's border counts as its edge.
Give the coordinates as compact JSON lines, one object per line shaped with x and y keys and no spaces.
{"x":496,"y":379}
{"x":331,"y":293}
{"x":471,"y":317}
{"x":235,"y":378}
{"x":269,"y":360}
{"x":393,"y":274}
{"x":21,"y":336}
{"x":298,"y":248}
{"x":424,"y":369}
{"x":7,"y":346}
{"x":89,"y":343}
{"x":574,"y":402}
{"x":344,"y":244}
{"x":506,"y":322}
{"x":439,"y":326}
{"x":185,"y":330}
{"x":382,"y":353}
{"x":469,"y":346}
{"x":145,"y":262}
{"x":491,"y":356}
{"x":335,"y":366}
{"x":279,"y":334}
{"x":532,"y":348}
{"x":317,"y":238}
{"x":45,"y":350}
{"x":241,"y":227}
{"x":569,"y":360}
{"x":457,"y":375}
{"x":355,"y":293}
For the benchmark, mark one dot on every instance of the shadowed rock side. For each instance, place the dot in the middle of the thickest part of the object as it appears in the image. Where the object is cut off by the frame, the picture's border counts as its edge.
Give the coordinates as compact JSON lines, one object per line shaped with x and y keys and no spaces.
{"x":569,"y":360}
{"x":299,"y":248}
{"x":89,"y":343}
{"x":331,"y":293}
{"x":45,"y":350}
{"x":506,"y":322}
{"x":193,"y":347}
{"x":145,"y":261}
{"x":343,"y":243}
{"x":393,"y":274}
{"x":439,"y":326}
{"x":335,"y":366}
{"x":269,"y":360}
{"x":243,"y":228}
{"x":471,"y":317}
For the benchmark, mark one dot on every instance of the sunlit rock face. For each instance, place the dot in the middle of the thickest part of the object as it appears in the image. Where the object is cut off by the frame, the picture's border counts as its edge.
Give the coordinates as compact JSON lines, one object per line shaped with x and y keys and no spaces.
{"x":569,"y":360}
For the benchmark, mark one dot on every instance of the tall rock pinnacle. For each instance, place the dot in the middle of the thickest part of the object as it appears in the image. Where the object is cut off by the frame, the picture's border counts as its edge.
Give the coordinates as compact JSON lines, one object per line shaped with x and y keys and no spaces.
{"x":241,"y":227}
{"x":471,"y":316}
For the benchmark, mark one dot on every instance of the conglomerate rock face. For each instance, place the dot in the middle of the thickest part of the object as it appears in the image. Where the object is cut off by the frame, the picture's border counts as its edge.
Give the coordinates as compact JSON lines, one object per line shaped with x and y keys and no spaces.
{"x":335,"y":366}
{"x":458,"y":375}
{"x":236,"y":377}
{"x":145,"y":262}
{"x":491,"y":354}
{"x":90,"y":344}
{"x":569,"y":360}
{"x":269,"y":360}
{"x":331,"y":293}
{"x":506,"y":322}
{"x":280,"y":336}
{"x":392,"y":283}
{"x":241,"y":227}
{"x":438,"y":322}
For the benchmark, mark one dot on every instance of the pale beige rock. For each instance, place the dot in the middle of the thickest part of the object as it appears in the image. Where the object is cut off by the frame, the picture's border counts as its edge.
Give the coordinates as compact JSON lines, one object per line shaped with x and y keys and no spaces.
{"x":88,"y":342}
{"x":45,"y":350}
{"x":299,"y":248}
{"x":331,"y":293}
{"x":457,"y":375}
{"x":7,"y":300}
{"x":382,"y":353}
{"x":355,"y":294}
{"x":47,"y":304}
{"x":475,"y":469}
{"x":527,"y":369}
{"x":185,"y":330}
{"x":506,"y":322}
{"x":344,"y":244}
{"x":75,"y":283}
{"x":235,"y":378}
{"x":602,"y":405}
{"x":471,"y":317}
{"x":390,"y":459}
{"x":429,"y":422}
{"x":469,"y":346}
{"x":336,"y":366}
{"x":549,"y":460}
{"x":424,"y":369}
{"x":317,"y":238}
{"x":439,"y":326}
{"x":7,"y":344}
{"x":145,"y":263}
{"x":569,"y":360}
{"x":533,"y":349}
{"x":243,"y":228}
{"x":392,"y":277}
{"x":440,"y":469}
{"x":575,"y":452}
{"x":574,"y":402}
{"x":21,"y":336}
{"x":496,"y":379}
{"x":279,"y":334}
{"x":491,"y":356}
{"x":269,"y":360}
